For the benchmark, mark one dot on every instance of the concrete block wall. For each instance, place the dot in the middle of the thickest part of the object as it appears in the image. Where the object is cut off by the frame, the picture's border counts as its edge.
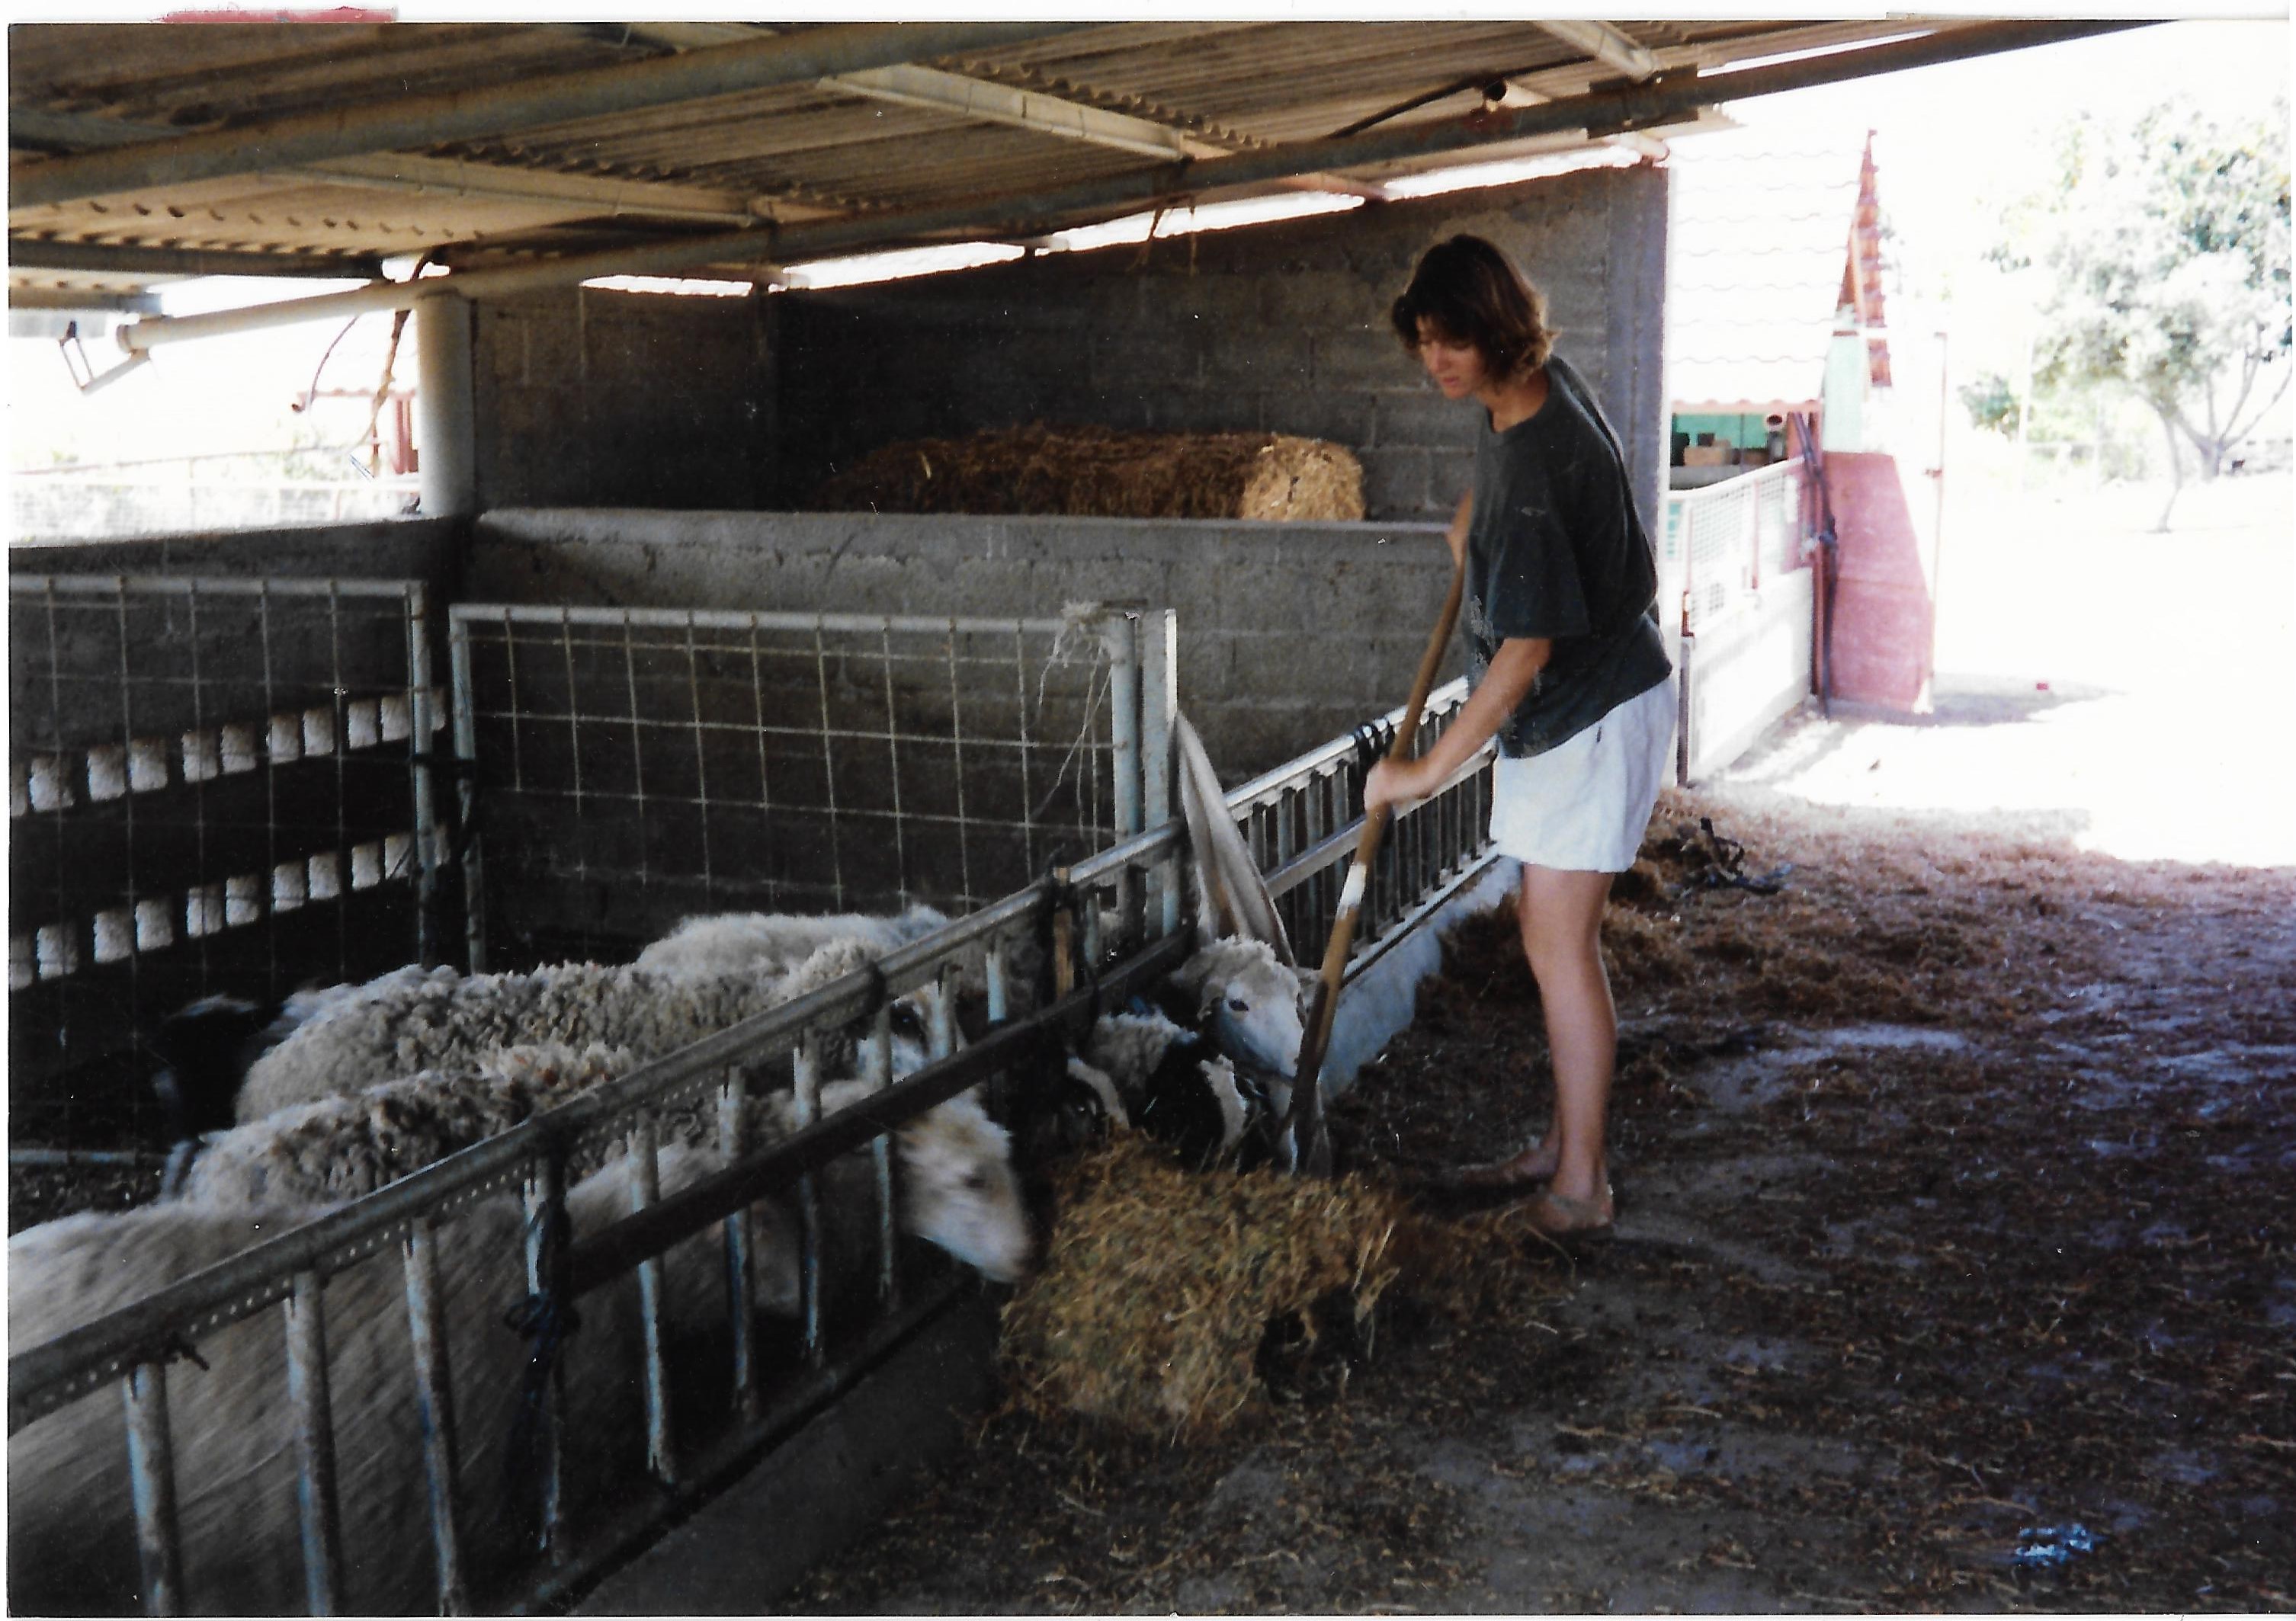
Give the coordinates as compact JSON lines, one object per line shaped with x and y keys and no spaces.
{"x":1276,"y":328}
{"x":1288,"y":632}
{"x":594,"y":398}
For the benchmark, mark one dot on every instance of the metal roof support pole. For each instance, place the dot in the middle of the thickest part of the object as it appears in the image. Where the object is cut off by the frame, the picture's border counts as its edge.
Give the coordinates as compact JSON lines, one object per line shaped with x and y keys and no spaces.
{"x":445,"y":406}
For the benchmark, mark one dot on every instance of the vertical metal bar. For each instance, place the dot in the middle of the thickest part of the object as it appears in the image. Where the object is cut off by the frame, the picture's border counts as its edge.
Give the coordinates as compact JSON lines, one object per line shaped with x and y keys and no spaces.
{"x":307,"y":1396}
{"x":828,"y":772}
{"x":1088,"y":930}
{"x":877,"y":1065}
{"x":645,"y":1189}
{"x":1122,"y":634}
{"x":806,"y":1074}
{"x":758,"y":711}
{"x":637,"y":752}
{"x":700,"y":757}
{"x":435,"y":1409}
{"x":582,"y":842}
{"x":340,"y":759}
{"x":1000,"y":1004}
{"x":152,"y":1486}
{"x":1028,"y":799}
{"x":546,"y":1217}
{"x":466,"y":750}
{"x":956,"y":755}
{"x":892,"y":757}
{"x":426,"y":817}
{"x":741,"y":1284}
{"x":1159,"y":702}
{"x":944,"y":1012}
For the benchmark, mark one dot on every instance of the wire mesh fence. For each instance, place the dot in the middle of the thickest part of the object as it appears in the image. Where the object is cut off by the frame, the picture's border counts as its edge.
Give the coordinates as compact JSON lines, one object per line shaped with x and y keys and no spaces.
{"x":1723,"y":541}
{"x":628,"y":767}
{"x":214,"y":786}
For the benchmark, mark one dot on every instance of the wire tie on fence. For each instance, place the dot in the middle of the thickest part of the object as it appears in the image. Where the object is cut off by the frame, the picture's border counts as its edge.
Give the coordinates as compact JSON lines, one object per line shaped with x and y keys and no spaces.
{"x":545,"y":1320}
{"x":1372,"y":738}
{"x":176,"y":1347}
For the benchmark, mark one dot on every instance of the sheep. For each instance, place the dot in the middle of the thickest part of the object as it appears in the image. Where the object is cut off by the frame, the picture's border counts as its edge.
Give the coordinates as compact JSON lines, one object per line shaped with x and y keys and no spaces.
{"x":1178,"y":1091}
{"x":342,"y":1147}
{"x":206,"y":1048}
{"x":718,"y":943}
{"x":409,"y":1021}
{"x":73,"y":1546}
{"x":957,"y":1190}
{"x":1250,"y":999}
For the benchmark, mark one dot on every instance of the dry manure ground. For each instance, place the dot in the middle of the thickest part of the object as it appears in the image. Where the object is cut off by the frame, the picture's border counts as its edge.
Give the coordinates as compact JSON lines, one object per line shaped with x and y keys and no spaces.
{"x":1957,"y":1185}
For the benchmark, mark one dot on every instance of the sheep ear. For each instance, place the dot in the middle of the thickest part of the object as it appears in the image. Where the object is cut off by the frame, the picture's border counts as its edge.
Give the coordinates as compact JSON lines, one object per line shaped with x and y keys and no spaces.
{"x":1231,"y":898}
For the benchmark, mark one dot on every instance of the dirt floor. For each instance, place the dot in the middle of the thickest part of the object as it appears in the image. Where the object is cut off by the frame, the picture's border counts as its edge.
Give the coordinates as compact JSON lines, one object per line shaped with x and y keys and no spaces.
{"x":1952,"y":1270}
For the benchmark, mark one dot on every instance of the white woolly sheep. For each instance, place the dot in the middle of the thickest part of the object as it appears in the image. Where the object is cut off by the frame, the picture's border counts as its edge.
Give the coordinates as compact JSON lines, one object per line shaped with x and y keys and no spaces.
{"x":958,"y":1188}
{"x":721,"y":942}
{"x":72,"y":1547}
{"x":409,"y":1021}
{"x":1248,"y":1001}
{"x":339,"y":1148}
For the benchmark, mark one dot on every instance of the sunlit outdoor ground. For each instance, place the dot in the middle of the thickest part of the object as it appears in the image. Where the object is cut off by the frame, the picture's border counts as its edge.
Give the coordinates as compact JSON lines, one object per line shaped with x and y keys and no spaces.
{"x":2134,"y":684}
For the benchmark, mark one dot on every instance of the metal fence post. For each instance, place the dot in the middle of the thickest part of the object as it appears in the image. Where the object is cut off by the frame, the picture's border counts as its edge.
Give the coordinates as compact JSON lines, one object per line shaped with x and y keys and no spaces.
{"x":466,"y":750}
{"x":435,"y":1409}
{"x":420,"y":746}
{"x":1159,"y":702}
{"x":307,"y":1396}
{"x":151,"y":1483}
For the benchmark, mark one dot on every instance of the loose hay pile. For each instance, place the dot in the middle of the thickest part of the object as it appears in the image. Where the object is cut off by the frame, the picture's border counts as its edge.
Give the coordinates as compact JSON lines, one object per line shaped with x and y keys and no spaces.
{"x":1162,"y":1287}
{"x":1100,"y":472}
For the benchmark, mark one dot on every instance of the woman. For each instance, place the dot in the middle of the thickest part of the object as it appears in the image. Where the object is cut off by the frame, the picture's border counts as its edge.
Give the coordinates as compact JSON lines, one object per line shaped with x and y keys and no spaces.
{"x":1570,"y":673}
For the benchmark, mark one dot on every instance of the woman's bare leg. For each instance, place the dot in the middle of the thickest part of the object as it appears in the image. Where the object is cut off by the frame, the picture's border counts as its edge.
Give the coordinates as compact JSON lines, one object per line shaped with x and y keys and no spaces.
{"x":1562,"y":915}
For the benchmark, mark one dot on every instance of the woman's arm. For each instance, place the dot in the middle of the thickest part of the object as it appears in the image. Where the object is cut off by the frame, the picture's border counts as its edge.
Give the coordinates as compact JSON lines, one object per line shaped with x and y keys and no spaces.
{"x":1455,"y":537}
{"x":1512,"y":668}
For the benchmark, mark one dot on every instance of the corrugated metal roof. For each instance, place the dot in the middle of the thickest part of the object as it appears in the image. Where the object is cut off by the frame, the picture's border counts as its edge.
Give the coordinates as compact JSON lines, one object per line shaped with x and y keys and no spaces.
{"x":1760,"y":242}
{"x":823,"y":148}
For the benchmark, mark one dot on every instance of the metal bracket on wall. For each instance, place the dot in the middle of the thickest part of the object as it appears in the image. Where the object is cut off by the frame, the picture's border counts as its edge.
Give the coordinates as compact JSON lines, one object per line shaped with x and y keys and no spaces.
{"x":85,"y":377}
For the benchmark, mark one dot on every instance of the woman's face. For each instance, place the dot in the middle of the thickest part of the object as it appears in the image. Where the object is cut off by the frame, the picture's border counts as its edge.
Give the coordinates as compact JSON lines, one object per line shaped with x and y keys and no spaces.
{"x":1457,"y":367}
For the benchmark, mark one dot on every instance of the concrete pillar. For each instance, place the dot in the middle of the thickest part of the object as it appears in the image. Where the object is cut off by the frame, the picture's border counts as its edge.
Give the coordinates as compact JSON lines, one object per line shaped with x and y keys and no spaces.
{"x":444,"y":396}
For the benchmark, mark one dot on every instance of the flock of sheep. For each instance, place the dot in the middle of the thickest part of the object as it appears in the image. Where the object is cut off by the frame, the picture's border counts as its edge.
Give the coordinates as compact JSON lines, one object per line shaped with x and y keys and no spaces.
{"x":290,"y":1108}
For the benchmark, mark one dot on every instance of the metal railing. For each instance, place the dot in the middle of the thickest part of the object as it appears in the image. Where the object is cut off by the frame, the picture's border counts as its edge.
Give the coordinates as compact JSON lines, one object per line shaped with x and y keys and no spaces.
{"x":1722,"y":541}
{"x":214,"y":784}
{"x":1437,"y":846}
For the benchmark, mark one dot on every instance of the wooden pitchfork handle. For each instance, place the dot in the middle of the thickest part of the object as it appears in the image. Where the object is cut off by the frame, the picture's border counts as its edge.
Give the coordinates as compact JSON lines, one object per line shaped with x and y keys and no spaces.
{"x":1303,"y":1120}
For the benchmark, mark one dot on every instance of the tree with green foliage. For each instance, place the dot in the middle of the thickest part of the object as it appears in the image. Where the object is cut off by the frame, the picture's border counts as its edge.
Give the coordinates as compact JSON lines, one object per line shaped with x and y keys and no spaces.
{"x":2164,"y":249}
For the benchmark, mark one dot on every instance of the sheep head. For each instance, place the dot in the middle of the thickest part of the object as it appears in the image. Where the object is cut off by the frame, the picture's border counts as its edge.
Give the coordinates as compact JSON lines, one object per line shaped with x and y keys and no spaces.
{"x":1250,"y":1001}
{"x":958,"y":1190}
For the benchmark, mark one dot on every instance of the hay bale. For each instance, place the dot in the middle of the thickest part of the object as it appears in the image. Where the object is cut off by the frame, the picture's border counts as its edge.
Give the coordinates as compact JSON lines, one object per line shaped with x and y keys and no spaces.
{"x":1101,"y":472}
{"x":1160,"y":1284}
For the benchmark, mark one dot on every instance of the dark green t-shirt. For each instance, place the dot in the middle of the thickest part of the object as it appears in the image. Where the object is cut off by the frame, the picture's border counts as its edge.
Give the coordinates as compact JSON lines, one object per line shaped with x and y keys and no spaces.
{"x":1556,"y":549}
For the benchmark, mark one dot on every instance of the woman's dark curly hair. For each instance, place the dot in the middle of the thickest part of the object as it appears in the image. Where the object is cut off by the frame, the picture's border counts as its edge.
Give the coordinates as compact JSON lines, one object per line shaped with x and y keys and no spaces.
{"x":1469,"y":293}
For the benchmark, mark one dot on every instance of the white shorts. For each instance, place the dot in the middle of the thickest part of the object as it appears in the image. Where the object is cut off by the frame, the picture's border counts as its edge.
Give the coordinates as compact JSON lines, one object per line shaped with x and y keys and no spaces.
{"x":1583,"y":805}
